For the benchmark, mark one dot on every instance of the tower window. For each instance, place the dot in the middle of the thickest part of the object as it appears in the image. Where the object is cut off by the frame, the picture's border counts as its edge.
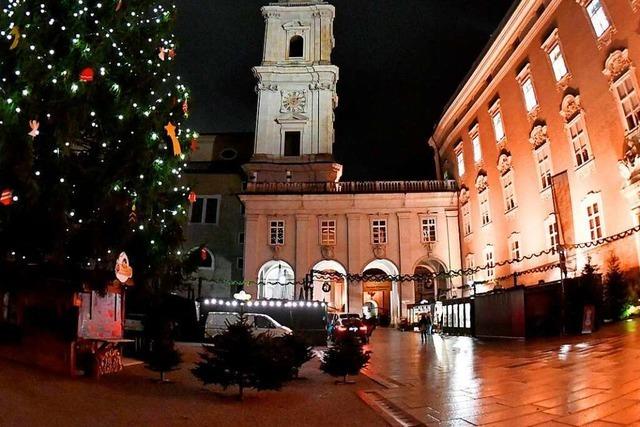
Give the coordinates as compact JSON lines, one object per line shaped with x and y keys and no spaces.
{"x":296,"y":47}
{"x":292,"y":143}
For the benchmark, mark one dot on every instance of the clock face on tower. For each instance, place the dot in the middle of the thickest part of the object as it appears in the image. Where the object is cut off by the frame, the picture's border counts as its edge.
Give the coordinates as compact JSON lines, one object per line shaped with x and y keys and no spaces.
{"x":293,"y":101}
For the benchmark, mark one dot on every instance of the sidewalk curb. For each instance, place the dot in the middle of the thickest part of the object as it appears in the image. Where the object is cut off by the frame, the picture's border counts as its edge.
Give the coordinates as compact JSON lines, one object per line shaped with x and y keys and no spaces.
{"x":389,"y":411}
{"x":384,"y":381}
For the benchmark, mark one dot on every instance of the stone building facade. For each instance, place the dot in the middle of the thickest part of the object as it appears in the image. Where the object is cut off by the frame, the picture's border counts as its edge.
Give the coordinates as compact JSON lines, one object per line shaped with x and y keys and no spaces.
{"x":300,"y":217}
{"x":552,"y":108}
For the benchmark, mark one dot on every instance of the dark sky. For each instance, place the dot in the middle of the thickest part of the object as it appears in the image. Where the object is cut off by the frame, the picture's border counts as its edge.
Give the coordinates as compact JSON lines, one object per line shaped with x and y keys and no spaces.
{"x":400,"y":61}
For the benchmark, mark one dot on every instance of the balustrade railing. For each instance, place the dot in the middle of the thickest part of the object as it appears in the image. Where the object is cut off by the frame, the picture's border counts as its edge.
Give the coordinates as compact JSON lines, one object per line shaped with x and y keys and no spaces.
{"x":351,"y":187}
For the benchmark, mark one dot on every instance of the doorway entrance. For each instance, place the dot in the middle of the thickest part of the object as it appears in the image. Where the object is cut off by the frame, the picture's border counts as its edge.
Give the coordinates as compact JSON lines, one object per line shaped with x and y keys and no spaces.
{"x":376,"y":298}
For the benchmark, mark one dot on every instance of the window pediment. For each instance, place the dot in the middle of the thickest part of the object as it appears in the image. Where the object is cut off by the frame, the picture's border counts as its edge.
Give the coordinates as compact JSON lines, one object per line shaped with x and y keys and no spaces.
{"x":538,"y":136}
{"x":570,"y":107}
{"x":617,"y":64}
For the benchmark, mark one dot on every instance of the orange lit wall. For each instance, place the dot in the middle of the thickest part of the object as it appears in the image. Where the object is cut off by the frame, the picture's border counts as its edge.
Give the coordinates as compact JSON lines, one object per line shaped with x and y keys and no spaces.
{"x":518,"y":43}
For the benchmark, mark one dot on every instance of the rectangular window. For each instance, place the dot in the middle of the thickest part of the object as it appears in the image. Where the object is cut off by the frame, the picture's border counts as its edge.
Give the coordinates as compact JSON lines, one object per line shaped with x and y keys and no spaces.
{"x":469,"y":265}
{"x":508,"y":191}
{"x":241,"y":238}
{"x":557,"y":62}
{"x":489,"y":263}
{"x":292,"y":143}
{"x":328,"y":232}
{"x":595,"y":221}
{"x":498,"y":126}
{"x":552,"y":233}
{"x":466,"y":218}
{"x":460,"y":161}
{"x":477,"y":150}
{"x":515,"y":248}
{"x":629,"y":102}
{"x":428,"y":230}
{"x":379,"y":231}
{"x":598,"y":17}
{"x":205,"y":210}
{"x":276,"y":233}
{"x":543,"y":159}
{"x":483,"y":197}
{"x":240,"y":263}
{"x":579,"y":140}
{"x":530,"y":100}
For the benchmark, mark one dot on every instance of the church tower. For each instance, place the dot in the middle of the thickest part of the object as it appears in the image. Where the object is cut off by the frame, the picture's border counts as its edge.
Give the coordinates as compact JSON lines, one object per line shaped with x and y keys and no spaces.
{"x":296,"y":86}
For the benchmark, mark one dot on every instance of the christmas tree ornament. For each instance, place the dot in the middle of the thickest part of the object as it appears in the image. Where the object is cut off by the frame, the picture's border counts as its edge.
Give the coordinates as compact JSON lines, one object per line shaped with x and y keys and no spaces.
{"x":192,"y":197}
{"x":172,"y":53}
{"x":203,"y":254}
{"x":133,"y":217}
{"x":15,"y":32}
{"x":6,"y":197}
{"x":118,"y":5}
{"x":123,"y":270}
{"x":86,"y":75}
{"x":185,"y":108}
{"x":164,"y":53}
{"x":161,"y":53}
{"x":171,"y":133}
{"x":34,"y":125}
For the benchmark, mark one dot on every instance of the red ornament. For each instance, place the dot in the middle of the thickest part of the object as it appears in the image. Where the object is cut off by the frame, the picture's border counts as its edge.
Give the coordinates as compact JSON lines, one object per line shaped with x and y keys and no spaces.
{"x":6,"y":197}
{"x":86,"y":75}
{"x":203,"y":254}
{"x":194,"y":145}
{"x":192,"y":197}
{"x":185,"y":108}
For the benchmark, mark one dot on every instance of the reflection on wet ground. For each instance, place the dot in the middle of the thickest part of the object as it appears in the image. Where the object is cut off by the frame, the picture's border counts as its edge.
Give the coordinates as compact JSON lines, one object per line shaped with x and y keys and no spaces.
{"x":561,"y":381}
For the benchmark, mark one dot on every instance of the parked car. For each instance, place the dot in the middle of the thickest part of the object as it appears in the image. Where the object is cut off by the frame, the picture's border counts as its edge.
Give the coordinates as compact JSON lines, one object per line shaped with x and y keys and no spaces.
{"x":350,"y":326}
{"x":217,"y":322}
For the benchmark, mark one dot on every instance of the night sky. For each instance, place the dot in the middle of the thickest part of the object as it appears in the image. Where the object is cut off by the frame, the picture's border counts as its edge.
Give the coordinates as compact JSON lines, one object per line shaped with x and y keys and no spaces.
{"x":400,"y":62}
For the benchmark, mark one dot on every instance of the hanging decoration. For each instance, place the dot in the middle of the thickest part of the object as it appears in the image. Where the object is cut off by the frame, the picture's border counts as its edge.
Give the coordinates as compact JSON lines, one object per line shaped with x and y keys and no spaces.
{"x":34,"y":125}
{"x":185,"y":108}
{"x":164,"y":53}
{"x":133,"y":216}
{"x":118,"y":5}
{"x":6,"y":197}
{"x":123,"y":270}
{"x":203,"y":254}
{"x":15,"y":32}
{"x":192,"y":197}
{"x":86,"y":75}
{"x":171,"y":133}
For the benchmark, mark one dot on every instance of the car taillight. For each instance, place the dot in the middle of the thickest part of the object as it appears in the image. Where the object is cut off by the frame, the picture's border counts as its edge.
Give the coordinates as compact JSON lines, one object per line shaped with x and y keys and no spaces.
{"x":363,"y":328}
{"x":341,"y":328}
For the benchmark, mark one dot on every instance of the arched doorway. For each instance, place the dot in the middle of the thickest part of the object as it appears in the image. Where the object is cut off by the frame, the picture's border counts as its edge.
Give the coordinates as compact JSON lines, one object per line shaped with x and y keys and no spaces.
{"x":337,"y":297}
{"x":429,"y":289}
{"x":385,"y":293}
{"x":276,"y":280}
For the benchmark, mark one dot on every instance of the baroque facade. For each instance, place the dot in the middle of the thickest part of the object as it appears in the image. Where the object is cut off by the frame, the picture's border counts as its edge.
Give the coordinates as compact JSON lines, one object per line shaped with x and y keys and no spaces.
{"x":301,"y":218}
{"x":543,"y":139}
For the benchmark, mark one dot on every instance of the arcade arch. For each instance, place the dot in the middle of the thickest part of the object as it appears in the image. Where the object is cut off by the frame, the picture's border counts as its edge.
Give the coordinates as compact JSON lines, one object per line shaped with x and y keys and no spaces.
{"x":276,"y":280}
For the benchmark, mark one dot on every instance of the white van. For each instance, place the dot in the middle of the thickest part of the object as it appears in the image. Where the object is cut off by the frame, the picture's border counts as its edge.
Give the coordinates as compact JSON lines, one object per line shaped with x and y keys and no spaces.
{"x":217,"y":323}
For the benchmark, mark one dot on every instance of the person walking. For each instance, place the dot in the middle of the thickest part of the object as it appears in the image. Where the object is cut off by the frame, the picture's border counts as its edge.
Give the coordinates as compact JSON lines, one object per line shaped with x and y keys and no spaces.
{"x":423,"y":325}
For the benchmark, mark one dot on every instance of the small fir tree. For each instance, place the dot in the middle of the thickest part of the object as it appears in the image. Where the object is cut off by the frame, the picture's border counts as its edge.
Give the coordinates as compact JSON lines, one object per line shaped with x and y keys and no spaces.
{"x":347,"y":357}
{"x":162,"y":356}
{"x":617,"y":289}
{"x":296,"y":348}
{"x":239,"y":358}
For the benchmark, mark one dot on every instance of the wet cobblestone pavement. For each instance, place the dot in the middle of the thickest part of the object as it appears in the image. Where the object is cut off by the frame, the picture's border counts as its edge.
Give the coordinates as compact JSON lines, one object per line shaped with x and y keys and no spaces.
{"x":585,"y":380}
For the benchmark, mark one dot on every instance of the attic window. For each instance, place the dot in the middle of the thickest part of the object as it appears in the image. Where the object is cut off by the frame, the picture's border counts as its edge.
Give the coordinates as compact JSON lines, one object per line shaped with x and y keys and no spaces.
{"x":228,"y":154}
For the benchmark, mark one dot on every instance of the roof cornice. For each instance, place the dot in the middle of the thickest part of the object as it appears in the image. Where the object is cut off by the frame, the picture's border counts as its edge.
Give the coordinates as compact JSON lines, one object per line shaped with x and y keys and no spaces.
{"x":500,"y":48}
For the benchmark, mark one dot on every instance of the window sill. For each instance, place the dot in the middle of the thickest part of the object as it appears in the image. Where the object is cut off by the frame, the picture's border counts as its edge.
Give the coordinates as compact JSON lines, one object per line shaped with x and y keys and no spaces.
{"x":606,"y":38}
{"x":486,"y":225}
{"x":511,"y":212}
{"x":468,"y":237}
{"x":534,"y":113}
{"x":586,"y":168}
{"x":564,"y":81}
{"x":545,"y":193}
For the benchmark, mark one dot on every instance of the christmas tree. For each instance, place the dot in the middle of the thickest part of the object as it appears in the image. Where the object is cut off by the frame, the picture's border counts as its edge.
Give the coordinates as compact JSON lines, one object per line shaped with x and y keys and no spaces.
{"x":92,"y":143}
{"x":347,"y":357}
{"x":237,"y":357}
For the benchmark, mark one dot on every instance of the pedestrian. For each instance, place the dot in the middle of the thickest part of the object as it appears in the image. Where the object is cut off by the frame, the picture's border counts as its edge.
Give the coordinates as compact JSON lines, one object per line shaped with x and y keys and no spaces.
{"x":429,"y":324}
{"x":423,"y":325}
